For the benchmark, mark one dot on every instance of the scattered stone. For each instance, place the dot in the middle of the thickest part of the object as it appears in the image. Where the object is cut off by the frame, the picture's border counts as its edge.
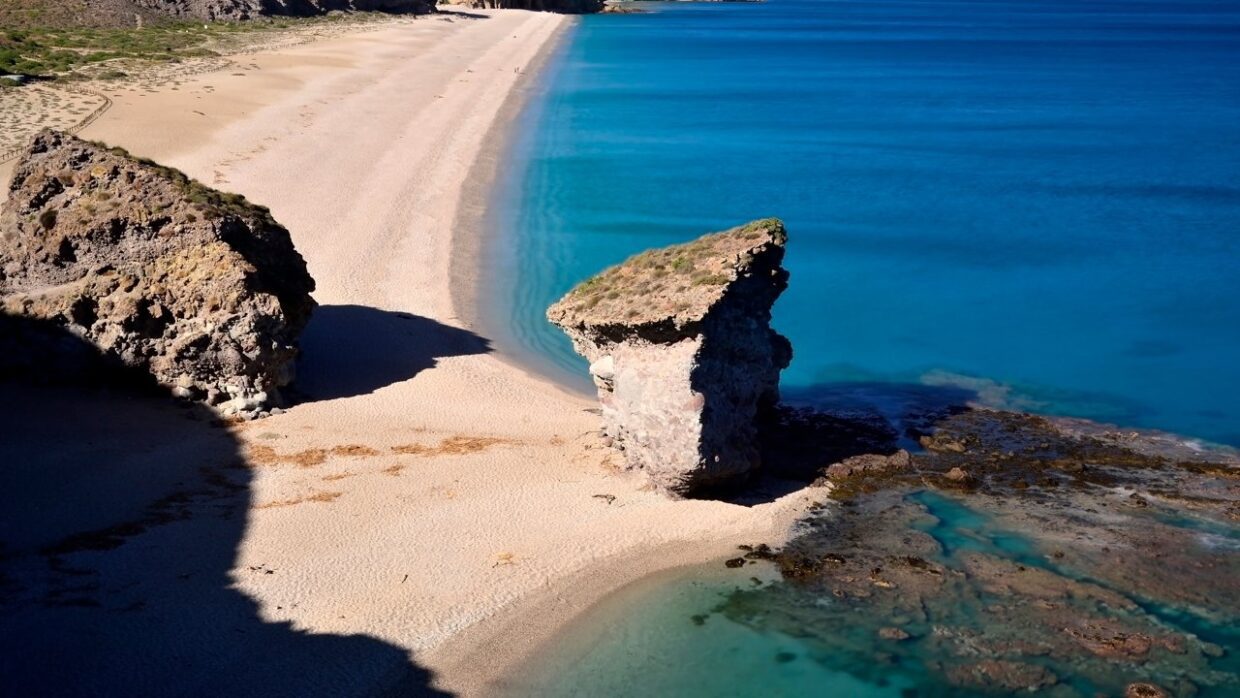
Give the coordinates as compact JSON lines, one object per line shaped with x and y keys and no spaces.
{"x":681,"y":350}
{"x":1025,"y":579}
{"x":998,"y":674}
{"x":959,"y":477}
{"x":890,"y":633}
{"x":762,"y":551}
{"x":201,"y":289}
{"x":735,"y":563}
{"x":1145,"y":690}
{"x":867,"y":463}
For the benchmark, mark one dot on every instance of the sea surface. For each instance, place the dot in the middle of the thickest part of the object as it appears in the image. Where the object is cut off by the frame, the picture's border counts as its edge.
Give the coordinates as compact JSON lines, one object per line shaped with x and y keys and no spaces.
{"x":1029,"y":204}
{"x":1037,"y":202}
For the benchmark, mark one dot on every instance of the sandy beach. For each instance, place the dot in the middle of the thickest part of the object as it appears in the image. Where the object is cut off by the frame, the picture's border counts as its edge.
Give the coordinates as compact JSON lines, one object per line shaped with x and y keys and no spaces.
{"x":429,"y":512}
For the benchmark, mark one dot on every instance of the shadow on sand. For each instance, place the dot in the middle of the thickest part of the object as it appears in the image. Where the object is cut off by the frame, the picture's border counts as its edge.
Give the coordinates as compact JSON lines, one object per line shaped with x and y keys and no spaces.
{"x":349,"y":350}
{"x":121,"y":516}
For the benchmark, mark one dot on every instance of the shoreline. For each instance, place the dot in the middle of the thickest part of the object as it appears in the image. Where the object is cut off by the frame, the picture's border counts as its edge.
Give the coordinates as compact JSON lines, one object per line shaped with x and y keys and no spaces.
{"x":450,"y":489}
{"x":474,"y":236}
{"x":479,"y":661}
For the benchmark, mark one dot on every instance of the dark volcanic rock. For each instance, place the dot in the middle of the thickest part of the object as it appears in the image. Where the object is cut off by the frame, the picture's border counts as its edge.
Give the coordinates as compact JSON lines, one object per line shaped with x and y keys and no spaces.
{"x":681,"y":349}
{"x":1040,"y":575}
{"x":868,"y":463}
{"x":202,"y":290}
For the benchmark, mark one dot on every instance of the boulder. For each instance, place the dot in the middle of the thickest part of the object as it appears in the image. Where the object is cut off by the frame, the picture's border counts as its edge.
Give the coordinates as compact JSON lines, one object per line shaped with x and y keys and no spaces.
{"x":201,"y":289}
{"x":866,"y":463}
{"x":681,"y":350}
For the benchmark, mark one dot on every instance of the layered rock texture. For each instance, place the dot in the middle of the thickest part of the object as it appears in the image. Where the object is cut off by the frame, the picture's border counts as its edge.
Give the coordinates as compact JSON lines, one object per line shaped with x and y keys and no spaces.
{"x":571,"y":7}
{"x":681,"y":349}
{"x":249,"y":9}
{"x":200,"y":289}
{"x":126,"y":13}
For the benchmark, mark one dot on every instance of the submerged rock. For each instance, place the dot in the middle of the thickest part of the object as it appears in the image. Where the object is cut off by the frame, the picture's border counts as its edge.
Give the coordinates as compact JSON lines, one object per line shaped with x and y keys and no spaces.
{"x":200,"y":289}
{"x":1012,"y":560}
{"x":681,"y":350}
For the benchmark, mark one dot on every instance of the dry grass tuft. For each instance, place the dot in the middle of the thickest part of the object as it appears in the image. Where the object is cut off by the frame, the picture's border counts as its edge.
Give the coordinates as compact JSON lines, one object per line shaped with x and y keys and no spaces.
{"x":452,"y":446}
{"x":320,"y":497}
{"x":266,"y":455}
{"x":354,"y":451}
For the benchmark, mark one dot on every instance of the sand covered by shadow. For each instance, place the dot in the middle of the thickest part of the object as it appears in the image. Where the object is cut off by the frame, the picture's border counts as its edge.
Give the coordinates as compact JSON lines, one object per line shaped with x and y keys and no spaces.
{"x":121,"y":513}
{"x":349,"y":350}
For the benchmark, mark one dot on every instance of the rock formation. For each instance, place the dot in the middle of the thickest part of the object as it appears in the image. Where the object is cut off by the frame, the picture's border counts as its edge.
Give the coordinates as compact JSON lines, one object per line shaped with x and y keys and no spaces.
{"x":570,"y":7}
{"x":681,"y":349}
{"x":249,"y":9}
{"x":202,"y":290}
{"x":128,"y":13}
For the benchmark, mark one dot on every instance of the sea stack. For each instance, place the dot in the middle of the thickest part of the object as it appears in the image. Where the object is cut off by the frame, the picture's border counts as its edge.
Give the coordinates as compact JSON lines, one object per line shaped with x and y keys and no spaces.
{"x":201,"y":289}
{"x":683,"y":355}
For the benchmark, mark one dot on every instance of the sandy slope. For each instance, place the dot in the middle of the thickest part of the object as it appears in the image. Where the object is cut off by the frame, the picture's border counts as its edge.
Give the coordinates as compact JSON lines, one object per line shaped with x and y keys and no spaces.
{"x":428,"y":495}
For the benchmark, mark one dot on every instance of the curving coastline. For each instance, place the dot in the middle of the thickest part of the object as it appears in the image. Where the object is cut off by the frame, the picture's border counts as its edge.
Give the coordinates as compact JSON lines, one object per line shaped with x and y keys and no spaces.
{"x":424,"y":492}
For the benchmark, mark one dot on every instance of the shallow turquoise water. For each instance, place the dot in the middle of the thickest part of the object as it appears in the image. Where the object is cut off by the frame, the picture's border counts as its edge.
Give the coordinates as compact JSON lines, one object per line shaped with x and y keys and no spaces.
{"x":664,"y":638}
{"x":709,"y":632}
{"x":1034,"y":200}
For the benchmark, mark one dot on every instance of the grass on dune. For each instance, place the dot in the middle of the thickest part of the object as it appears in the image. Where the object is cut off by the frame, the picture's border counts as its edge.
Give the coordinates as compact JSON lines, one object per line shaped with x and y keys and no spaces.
{"x":58,"y":52}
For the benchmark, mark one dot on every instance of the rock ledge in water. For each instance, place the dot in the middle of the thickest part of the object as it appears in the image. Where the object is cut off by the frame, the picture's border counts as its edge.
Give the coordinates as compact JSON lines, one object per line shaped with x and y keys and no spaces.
{"x":203,"y":290}
{"x":681,"y":350}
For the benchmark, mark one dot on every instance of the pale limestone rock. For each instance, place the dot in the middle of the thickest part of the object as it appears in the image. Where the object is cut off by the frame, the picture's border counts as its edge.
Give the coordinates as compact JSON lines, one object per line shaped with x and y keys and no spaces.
{"x":681,"y":350}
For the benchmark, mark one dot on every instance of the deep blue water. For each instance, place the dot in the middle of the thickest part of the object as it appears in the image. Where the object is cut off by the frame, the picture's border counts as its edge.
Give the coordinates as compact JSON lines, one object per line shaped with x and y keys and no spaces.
{"x":1036,"y":200}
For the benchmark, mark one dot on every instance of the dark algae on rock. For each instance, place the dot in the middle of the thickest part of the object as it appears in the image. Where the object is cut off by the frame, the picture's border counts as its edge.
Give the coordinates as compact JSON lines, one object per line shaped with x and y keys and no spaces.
{"x":1015,"y":553}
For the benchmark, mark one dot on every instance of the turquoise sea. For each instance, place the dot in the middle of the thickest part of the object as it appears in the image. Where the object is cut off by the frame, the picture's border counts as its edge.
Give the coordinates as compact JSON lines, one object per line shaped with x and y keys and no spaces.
{"x":1036,"y":201}
{"x":1032,"y":203}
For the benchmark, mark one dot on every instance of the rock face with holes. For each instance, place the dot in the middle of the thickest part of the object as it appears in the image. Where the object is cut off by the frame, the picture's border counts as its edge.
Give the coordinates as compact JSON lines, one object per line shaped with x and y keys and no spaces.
{"x":681,"y":350}
{"x":570,"y":7}
{"x":249,"y":9}
{"x":200,"y":289}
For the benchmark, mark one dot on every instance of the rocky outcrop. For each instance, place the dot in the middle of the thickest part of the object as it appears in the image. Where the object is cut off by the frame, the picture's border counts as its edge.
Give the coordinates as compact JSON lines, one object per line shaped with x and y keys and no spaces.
{"x":681,"y":350}
{"x":570,"y":7}
{"x":249,"y":9}
{"x":200,"y":289}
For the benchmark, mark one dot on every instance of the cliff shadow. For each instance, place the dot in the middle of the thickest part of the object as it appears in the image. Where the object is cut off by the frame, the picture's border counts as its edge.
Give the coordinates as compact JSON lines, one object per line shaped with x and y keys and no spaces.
{"x":121,"y":516}
{"x":460,"y":13}
{"x":349,"y":350}
{"x":818,"y":425}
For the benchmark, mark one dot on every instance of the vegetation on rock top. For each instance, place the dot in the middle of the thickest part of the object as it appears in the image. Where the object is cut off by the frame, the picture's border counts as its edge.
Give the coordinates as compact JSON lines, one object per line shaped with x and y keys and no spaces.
{"x":680,"y":281}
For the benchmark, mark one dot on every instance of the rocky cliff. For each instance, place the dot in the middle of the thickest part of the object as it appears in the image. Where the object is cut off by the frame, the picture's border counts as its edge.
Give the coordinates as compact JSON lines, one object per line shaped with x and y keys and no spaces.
{"x":249,"y":9}
{"x":571,"y":7}
{"x":200,"y":289}
{"x":127,"y":13}
{"x":681,"y":350}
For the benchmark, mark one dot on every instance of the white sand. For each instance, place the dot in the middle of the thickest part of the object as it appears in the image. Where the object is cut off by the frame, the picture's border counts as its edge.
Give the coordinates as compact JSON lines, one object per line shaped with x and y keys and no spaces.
{"x":467,"y":546}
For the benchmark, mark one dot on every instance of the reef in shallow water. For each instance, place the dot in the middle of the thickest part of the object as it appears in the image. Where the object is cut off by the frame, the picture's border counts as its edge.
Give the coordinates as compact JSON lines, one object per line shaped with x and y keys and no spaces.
{"x":1018,"y":553}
